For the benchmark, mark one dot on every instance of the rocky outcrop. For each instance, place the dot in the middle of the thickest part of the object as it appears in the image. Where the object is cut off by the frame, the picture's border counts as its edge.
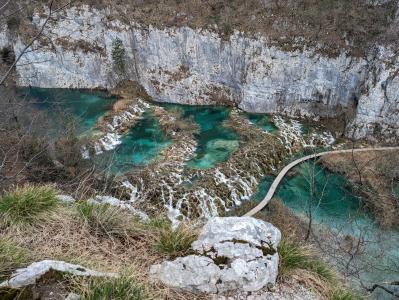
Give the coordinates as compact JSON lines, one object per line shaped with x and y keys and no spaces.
{"x":231,"y":253}
{"x":29,"y":275}
{"x":193,"y":66}
{"x":378,"y":108}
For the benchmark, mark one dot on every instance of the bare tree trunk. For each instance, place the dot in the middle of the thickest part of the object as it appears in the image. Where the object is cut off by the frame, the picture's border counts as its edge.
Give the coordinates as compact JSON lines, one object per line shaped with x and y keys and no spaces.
{"x":310,"y":201}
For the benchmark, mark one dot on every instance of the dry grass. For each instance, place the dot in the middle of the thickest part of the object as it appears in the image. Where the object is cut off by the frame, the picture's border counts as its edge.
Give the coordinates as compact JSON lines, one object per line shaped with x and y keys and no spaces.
{"x":105,"y":239}
{"x":66,"y":236}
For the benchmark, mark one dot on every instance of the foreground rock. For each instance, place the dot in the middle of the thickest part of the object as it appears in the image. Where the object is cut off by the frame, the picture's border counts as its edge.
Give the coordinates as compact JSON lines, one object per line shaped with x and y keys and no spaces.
{"x":31,"y":274}
{"x":231,"y":253}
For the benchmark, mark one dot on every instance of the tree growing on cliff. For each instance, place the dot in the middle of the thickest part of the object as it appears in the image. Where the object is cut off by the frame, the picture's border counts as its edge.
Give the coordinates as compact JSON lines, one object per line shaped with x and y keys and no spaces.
{"x":119,"y":57}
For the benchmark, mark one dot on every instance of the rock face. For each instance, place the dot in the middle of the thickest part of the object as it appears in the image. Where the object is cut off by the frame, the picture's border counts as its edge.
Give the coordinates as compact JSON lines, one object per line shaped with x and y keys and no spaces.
{"x":184,"y":65}
{"x":231,"y":253}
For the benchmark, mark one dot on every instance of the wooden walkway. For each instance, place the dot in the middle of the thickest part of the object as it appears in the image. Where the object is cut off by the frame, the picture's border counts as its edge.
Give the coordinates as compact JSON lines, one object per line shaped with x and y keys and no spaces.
{"x":284,"y":171}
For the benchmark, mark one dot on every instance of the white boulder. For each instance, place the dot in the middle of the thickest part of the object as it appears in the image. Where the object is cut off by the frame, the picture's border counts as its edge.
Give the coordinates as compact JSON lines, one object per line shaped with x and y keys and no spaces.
{"x":237,"y":253}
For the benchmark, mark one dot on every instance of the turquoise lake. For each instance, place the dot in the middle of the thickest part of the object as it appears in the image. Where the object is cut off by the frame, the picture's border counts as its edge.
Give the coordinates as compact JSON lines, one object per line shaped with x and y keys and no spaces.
{"x":215,"y":141}
{"x":87,"y":106}
{"x":146,"y":140}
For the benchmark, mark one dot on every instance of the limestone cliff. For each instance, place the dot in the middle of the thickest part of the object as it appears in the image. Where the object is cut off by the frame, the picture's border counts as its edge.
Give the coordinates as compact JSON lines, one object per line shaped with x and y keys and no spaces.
{"x":192,"y":66}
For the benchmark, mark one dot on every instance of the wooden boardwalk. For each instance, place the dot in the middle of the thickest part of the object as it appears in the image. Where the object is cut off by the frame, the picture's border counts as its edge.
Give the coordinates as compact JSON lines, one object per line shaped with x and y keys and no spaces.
{"x":288,"y":167}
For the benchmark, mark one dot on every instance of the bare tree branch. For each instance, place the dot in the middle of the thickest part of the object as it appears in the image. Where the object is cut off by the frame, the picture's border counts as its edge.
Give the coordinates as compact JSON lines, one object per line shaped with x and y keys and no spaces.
{"x":29,"y":44}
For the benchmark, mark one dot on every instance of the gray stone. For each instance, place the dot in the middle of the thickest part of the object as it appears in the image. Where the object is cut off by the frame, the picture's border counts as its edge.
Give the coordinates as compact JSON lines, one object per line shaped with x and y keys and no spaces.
{"x":232,"y":253}
{"x":237,"y":229}
{"x":194,"y":273}
{"x":29,"y":275}
{"x":73,"y":296}
{"x":66,"y":198}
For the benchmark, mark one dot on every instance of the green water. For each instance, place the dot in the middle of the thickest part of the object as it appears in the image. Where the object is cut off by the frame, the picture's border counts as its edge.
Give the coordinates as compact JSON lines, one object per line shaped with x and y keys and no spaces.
{"x":335,"y":207}
{"x":215,"y":142}
{"x":87,"y":106}
{"x":262,"y":121}
{"x":333,"y":201}
{"x":141,"y":145}
{"x":144,"y":141}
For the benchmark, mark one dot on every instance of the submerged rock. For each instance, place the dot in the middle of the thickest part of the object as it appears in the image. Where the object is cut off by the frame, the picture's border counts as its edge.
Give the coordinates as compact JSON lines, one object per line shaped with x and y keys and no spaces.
{"x":231,"y":253}
{"x":29,"y":275}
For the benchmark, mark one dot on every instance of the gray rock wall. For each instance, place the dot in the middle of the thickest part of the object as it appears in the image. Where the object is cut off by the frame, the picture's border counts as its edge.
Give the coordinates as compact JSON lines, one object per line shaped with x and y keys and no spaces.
{"x":191,"y":66}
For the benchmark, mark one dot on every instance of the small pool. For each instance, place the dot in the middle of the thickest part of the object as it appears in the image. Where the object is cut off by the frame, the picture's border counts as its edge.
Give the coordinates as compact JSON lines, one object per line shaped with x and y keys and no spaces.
{"x":262,"y":121}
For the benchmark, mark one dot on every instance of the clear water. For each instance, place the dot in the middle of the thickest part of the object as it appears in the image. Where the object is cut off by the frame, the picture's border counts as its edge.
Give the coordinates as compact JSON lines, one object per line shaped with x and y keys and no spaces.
{"x":87,"y":106}
{"x":262,"y":121}
{"x":141,"y":145}
{"x":215,"y":141}
{"x":340,"y":210}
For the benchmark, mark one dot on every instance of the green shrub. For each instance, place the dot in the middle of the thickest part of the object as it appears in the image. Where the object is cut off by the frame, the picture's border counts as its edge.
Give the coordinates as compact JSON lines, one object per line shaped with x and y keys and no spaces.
{"x":11,"y":256}
{"x":105,"y":220}
{"x":116,"y":289}
{"x":294,"y":256}
{"x":320,"y":268}
{"x":158,"y":224}
{"x":119,"y":57}
{"x":24,"y":204}
{"x":342,"y":294}
{"x":174,"y":242}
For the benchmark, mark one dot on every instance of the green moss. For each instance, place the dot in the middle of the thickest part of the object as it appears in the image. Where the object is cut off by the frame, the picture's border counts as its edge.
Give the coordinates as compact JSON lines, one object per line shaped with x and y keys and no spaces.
{"x":221,"y":260}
